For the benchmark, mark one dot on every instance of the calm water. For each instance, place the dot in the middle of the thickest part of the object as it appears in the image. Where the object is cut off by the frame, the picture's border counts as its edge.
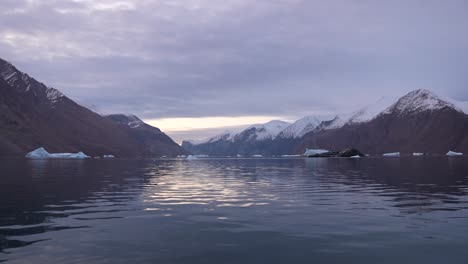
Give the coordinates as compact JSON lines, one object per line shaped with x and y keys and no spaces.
{"x":395,"y":210}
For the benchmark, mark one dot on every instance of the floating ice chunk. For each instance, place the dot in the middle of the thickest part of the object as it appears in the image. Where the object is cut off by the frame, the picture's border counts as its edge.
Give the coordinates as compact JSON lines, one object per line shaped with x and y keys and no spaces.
{"x":355,"y":157}
{"x":41,"y":153}
{"x":453,"y":153}
{"x":309,"y":152}
{"x":418,"y":154}
{"x":191,"y":157}
{"x":393,"y":154}
{"x":290,"y":156}
{"x":257,"y":156}
{"x":108,"y":156}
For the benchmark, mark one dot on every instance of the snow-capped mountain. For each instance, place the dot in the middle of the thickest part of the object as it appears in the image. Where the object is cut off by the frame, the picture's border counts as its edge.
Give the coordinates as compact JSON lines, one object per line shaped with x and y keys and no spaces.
{"x":33,"y":115}
{"x":420,"y":121}
{"x":425,"y":107}
{"x":419,"y":101}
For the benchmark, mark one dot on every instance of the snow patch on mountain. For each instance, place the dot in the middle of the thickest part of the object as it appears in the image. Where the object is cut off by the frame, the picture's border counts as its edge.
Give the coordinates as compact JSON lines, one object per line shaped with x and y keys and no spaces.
{"x":53,"y":95}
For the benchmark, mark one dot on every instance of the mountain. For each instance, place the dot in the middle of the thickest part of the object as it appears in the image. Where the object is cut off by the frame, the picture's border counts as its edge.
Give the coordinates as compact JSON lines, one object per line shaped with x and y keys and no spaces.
{"x":302,"y":126}
{"x":420,"y":121}
{"x":152,"y":140}
{"x":254,"y":140}
{"x":33,"y":115}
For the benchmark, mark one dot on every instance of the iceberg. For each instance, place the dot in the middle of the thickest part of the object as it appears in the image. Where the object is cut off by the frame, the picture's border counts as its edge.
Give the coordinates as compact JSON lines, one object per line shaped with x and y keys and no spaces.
{"x":393,"y":154}
{"x":290,"y":156}
{"x":41,"y":153}
{"x":355,"y":157}
{"x":257,"y":156}
{"x":108,"y":156}
{"x":453,"y":153}
{"x":309,"y":152}
{"x":191,"y":157}
{"x":418,"y":154}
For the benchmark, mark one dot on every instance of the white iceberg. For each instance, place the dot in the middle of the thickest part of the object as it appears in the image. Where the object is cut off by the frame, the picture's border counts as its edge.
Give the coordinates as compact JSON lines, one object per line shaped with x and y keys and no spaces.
{"x":41,"y":153}
{"x":355,"y":157}
{"x":393,"y":154}
{"x":108,"y":156}
{"x":309,"y":152}
{"x":191,"y":157}
{"x":453,"y":153}
{"x":257,"y":156}
{"x":418,"y":154}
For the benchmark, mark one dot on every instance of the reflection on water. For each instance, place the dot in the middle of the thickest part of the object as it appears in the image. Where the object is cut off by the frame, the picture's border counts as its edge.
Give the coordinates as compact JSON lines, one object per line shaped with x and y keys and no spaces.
{"x":234,"y":210}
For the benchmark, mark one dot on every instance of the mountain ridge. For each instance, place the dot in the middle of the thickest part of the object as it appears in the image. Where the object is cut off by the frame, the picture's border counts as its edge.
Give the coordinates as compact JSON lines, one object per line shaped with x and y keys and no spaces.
{"x":417,"y":102}
{"x":34,"y":115}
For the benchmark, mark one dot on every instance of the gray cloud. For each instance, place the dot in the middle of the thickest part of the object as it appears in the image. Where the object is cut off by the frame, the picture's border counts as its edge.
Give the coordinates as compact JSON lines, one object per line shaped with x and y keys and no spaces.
{"x":237,"y":57}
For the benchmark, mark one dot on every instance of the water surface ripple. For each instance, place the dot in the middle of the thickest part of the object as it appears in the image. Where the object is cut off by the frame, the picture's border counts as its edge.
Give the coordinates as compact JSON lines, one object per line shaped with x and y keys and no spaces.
{"x":371,"y":210}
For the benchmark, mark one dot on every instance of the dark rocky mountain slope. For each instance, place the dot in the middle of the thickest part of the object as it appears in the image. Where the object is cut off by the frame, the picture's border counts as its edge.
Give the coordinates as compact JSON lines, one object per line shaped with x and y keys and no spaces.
{"x":33,"y":115}
{"x":418,"y":122}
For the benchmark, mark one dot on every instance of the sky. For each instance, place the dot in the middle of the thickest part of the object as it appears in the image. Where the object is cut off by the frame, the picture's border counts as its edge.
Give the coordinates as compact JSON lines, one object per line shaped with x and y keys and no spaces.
{"x":192,"y":67}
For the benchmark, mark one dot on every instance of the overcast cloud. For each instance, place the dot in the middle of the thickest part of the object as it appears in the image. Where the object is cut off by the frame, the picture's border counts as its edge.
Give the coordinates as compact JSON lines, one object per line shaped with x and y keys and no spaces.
{"x":199,"y":58}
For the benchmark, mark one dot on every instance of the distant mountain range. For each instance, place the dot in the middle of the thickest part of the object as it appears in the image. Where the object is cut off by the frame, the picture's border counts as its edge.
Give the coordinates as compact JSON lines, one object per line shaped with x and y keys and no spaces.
{"x":417,"y":122}
{"x":33,"y":115}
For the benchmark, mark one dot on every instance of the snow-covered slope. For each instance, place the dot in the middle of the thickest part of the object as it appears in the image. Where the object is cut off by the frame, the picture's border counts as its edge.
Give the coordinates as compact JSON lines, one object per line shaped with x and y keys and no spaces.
{"x":303,"y":126}
{"x":227,"y":135}
{"x":256,"y":132}
{"x":269,"y":130}
{"x":370,"y":111}
{"x":419,"y":101}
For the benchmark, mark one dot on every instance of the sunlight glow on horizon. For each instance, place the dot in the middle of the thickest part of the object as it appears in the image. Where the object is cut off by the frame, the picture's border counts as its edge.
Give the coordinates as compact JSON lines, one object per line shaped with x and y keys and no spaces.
{"x":194,"y":123}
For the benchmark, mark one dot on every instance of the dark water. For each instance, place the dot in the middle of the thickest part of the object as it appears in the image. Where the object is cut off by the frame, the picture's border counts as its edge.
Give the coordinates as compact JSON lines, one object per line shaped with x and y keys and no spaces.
{"x":395,"y":210}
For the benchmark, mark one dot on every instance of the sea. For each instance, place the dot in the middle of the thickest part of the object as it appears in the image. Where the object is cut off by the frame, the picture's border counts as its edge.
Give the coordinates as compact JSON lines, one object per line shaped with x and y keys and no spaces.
{"x":235,"y":210}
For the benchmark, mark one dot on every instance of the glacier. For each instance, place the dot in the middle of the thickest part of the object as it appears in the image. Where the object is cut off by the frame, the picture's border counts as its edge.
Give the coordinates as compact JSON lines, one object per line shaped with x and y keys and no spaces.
{"x":41,"y":153}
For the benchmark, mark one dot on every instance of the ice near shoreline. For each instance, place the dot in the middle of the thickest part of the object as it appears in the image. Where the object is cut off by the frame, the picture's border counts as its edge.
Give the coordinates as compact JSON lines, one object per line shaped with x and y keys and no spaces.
{"x":41,"y":153}
{"x":393,"y":154}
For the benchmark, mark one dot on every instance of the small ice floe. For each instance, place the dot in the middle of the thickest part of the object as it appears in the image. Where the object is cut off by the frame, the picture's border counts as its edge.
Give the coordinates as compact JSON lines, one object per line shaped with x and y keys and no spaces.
{"x":201,"y":156}
{"x":393,"y":154}
{"x":418,"y":154}
{"x":355,"y":157}
{"x":257,"y":156}
{"x":181,"y":156}
{"x":108,"y":156}
{"x":310,"y":152}
{"x":239,"y":156}
{"x":191,"y":157}
{"x":290,"y":156}
{"x":453,"y":153}
{"x":41,"y":153}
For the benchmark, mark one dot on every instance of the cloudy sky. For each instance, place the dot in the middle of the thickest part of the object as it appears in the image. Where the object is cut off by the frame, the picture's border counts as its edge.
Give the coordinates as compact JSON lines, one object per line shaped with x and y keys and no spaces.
{"x":197,"y":64}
